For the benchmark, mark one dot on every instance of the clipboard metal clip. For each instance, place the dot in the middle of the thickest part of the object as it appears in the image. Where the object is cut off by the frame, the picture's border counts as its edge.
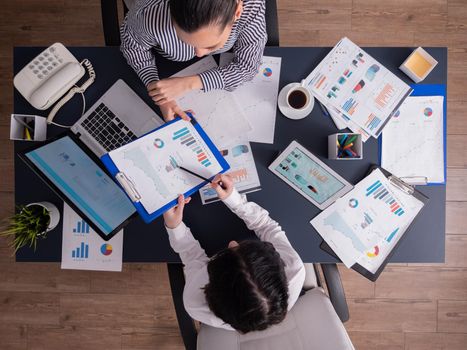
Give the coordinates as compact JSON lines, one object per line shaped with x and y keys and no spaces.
{"x":415,"y":180}
{"x":128,"y":186}
{"x":395,"y":181}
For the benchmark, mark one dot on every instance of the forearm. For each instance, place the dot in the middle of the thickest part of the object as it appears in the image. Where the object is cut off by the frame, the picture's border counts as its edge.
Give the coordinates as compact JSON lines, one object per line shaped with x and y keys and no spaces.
{"x":182,"y":242}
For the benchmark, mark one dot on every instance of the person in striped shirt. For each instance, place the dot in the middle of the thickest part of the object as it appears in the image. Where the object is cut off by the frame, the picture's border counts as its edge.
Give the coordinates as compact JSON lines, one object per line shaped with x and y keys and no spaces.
{"x":182,"y":29}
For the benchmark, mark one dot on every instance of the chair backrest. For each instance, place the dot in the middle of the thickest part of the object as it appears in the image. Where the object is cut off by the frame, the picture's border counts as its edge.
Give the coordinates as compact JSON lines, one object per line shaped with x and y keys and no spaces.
{"x":311,"y":324}
{"x":111,"y":22}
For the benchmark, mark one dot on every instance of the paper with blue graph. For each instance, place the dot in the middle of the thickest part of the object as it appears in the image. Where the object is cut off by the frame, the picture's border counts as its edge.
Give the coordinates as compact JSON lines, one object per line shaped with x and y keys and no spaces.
{"x":84,"y":249}
{"x":151,"y":164}
{"x":365,"y":225}
{"x":363,"y":92}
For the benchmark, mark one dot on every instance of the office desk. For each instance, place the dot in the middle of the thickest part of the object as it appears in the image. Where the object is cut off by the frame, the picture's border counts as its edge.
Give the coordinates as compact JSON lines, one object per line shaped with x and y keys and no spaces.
{"x":214,"y":225}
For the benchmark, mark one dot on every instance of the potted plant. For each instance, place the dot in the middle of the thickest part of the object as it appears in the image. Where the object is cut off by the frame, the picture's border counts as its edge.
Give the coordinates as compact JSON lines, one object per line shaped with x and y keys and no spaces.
{"x":30,"y":223}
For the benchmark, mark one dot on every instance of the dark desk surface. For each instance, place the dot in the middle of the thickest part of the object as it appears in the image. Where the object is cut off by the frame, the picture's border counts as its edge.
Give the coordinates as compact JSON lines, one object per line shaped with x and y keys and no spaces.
{"x":214,"y":225}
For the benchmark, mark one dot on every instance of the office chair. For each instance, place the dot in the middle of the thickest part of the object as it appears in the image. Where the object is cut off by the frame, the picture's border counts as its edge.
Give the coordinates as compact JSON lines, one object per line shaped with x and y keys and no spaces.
{"x":314,"y":322}
{"x":111,"y":22}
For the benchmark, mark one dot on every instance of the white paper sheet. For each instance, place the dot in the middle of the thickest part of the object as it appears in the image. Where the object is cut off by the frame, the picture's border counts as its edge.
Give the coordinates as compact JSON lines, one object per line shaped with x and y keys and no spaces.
{"x":413,"y":141}
{"x":258,"y":98}
{"x":242,"y":169}
{"x":217,"y":111}
{"x":152,"y":163}
{"x":358,"y":86}
{"x":364,"y":225}
{"x":84,"y":249}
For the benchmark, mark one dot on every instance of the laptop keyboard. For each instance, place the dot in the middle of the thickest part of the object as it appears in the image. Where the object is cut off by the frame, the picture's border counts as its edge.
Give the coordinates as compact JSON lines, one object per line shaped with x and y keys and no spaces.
{"x":107,"y":129}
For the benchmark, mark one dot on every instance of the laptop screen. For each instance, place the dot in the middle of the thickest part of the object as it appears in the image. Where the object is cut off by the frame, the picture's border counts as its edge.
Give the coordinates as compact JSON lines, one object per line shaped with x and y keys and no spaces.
{"x":83,"y":182}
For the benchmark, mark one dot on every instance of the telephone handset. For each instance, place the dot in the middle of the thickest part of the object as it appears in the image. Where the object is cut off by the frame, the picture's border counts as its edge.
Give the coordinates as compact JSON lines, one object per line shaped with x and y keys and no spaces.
{"x":50,"y":75}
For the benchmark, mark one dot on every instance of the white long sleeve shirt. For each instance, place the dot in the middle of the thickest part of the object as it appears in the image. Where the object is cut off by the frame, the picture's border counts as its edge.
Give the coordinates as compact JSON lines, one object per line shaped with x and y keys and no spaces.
{"x":195,"y":259}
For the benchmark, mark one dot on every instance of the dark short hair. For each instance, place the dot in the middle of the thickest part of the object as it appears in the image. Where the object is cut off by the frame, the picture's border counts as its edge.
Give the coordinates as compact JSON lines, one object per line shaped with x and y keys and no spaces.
{"x":191,"y":15}
{"x":247,"y":286}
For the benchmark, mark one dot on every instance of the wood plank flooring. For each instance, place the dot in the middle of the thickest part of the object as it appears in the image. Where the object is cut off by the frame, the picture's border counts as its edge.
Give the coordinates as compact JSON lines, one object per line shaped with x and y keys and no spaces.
{"x":412,"y":306}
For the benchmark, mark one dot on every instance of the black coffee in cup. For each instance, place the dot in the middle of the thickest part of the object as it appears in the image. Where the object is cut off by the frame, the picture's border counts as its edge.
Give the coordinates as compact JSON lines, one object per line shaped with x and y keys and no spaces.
{"x":297,"y":99}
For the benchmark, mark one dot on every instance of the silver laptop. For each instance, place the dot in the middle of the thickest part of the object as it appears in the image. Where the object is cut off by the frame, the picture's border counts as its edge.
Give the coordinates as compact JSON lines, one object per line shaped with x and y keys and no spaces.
{"x":118,"y":117}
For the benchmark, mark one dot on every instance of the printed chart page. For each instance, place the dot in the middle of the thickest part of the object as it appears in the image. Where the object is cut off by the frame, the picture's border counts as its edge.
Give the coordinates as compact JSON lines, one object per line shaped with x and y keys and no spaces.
{"x":242,"y":170}
{"x":258,"y":98}
{"x":363,"y":90}
{"x":364,"y":225}
{"x":152,"y":163}
{"x":413,"y":141}
{"x":217,"y":111}
{"x":83,"y":249}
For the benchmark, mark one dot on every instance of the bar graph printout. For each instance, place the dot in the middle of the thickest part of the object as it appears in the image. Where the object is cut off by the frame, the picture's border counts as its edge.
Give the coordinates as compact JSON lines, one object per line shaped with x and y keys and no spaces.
{"x":84,"y":249}
{"x":358,"y":87}
{"x":152,"y":163}
{"x":364,"y":225}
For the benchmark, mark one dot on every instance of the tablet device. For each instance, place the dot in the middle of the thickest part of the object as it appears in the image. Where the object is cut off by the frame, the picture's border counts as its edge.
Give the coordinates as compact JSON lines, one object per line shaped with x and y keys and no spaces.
{"x":309,"y":176}
{"x":78,"y":177}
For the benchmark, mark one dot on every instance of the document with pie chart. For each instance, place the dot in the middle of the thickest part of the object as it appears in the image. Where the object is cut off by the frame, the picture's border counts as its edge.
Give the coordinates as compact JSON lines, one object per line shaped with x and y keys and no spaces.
{"x":151,"y":165}
{"x":84,"y":249}
{"x":364,"y":225}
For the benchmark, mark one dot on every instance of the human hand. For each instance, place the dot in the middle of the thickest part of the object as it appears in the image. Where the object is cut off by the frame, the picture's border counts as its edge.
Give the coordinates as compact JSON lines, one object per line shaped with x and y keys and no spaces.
{"x":174,"y":216}
{"x":165,"y":90}
{"x":224,"y":185}
{"x":170,"y":110}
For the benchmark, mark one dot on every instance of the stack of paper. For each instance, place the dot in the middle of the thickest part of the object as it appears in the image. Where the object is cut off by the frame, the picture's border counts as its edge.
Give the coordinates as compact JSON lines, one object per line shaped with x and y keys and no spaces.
{"x":356,"y":89}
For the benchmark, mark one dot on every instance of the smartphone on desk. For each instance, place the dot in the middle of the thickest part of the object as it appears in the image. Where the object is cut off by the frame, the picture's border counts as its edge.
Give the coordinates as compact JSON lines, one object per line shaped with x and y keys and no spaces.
{"x":48,"y":76}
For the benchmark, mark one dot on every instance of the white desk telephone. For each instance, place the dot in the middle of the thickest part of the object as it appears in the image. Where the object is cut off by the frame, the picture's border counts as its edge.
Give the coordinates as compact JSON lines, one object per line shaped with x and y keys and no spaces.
{"x":50,"y":75}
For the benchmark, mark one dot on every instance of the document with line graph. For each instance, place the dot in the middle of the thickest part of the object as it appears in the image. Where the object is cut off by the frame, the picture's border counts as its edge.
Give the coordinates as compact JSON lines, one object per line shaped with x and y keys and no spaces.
{"x":149,"y":167}
{"x":365,"y":225}
{"x":359,"y":87}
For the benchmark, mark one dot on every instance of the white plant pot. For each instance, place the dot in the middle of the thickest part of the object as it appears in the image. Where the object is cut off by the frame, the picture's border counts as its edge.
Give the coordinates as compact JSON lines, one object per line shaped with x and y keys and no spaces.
{"x":54,"y":213}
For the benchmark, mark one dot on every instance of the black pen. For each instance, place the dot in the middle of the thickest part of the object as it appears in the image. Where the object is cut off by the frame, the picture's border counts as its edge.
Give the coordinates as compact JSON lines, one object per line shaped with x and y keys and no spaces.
{"x":200,"y":176}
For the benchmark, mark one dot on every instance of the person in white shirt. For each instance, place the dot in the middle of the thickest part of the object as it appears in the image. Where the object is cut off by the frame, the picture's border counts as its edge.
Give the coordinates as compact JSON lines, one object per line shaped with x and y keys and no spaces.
{"x":248,"y":286}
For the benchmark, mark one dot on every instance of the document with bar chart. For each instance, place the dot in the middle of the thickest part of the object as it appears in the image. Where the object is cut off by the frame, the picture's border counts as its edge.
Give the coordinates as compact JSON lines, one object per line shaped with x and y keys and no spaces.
{"x":151,"y":164}
{"x":358,"y":86}
{"x":365,"y":225}
{"x":243,"y":171}
{"x":84,"y":249}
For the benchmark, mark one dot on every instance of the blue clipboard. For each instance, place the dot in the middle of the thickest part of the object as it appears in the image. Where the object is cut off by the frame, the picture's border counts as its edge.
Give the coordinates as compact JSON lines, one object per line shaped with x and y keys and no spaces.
{"x":429,"y":90}
{"x":148,"y":217}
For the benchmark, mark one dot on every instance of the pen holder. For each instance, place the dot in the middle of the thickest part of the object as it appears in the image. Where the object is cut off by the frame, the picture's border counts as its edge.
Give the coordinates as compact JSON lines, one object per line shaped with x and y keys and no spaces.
{"x":345,"y":146}
{"x":25,"y":127}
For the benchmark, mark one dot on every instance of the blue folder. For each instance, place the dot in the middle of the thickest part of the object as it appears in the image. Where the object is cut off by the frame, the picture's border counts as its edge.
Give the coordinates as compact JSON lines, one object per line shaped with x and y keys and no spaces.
{"x":148,"y":217}
{"x":430,"y":90}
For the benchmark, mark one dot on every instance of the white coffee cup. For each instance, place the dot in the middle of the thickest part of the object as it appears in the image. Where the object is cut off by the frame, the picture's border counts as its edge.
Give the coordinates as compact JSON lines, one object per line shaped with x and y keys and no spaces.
{"x":299,"y":97}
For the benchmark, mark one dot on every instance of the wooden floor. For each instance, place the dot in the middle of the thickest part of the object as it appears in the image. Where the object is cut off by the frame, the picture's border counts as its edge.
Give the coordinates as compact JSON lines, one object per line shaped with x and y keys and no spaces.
{"x":410,"y":307}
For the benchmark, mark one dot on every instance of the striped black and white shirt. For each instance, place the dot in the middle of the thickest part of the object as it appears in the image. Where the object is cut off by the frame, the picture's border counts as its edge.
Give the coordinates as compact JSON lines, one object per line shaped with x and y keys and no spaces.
{"x":148,"y":25}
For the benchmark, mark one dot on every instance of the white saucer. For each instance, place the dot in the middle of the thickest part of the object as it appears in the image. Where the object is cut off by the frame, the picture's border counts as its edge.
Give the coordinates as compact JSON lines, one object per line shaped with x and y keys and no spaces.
{"x":290,"y":112}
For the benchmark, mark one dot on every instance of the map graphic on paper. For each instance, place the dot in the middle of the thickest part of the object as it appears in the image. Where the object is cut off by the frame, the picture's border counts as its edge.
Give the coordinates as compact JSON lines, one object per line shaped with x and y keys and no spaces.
{"x":413,"y":143}
{"x":152,"y":163}
{"x":365,"y":224}
{"x":217,"y":111}
{"x":358,"y":87}
{"x":258,"y":98}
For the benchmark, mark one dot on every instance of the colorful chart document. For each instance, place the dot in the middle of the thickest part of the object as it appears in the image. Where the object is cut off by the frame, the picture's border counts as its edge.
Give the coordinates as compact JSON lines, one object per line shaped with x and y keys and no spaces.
{"x":217,"y":111}
{"x":258,"y":98}
{"x":242,"y":170}
{"x":151,"y":163}
{"x":364,"y":225}
{"x":413,"y":141}
{"x":359,"y":87}
{"x":83,"y":249}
